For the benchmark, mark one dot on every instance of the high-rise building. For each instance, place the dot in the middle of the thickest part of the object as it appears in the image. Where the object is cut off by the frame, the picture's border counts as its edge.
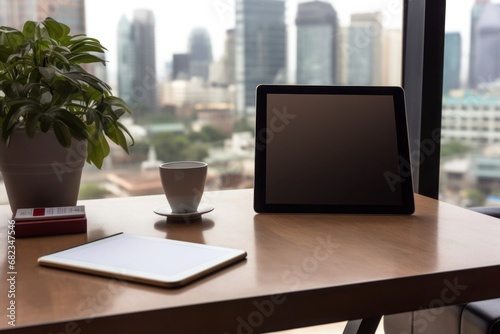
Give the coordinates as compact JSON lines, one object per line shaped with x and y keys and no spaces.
{"x":200,"y":53}
{"x":365,"y":49}
{"x":222,"y":71}
{"x":452,"y":61}
{"x":342,"y":55}
{"x":260,"y":49}
{"x":484,"y":58}
{"x":15,"y":12}
{"x":145,"y":82}
{"x":180,"y":66}
{"x":229,"y":57}
{"x":317,"y":32}
{"x":392,"y":57}
{"x":71,"y":13}
{"x":126,"y":59}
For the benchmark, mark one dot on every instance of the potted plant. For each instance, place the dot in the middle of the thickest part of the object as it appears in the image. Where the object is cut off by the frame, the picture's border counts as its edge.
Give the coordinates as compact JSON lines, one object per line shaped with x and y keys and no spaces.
{"x":50,"y":104}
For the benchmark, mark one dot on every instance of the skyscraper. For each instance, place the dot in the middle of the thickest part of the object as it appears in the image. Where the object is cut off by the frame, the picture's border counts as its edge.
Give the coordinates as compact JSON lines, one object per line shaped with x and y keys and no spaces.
{"x":317,"y":31}
{"x":126,"y":60}
{"x":71,"y":13}
{"x":392,"y":57}
{"x":145,"y":82}
{"x":229,"y":55}
{"x":365,"y":49}
{"x":137,"y":82}
{"x":14,"y":13}
{"x":260,"y":48}
{"x":222,"y":71}
{"x":484,"y":59}
{"x":452,"y":61}
{"x":200,"y":53}
{"x":180,"y":66}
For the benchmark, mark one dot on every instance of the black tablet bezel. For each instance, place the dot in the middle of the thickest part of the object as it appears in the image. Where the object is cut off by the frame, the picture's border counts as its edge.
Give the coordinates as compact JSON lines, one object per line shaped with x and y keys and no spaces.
{"x":261,"y":134}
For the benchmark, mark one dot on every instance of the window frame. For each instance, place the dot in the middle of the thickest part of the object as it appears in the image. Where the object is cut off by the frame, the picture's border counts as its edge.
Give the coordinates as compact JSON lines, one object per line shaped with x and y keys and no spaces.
{"x":423,"y":60}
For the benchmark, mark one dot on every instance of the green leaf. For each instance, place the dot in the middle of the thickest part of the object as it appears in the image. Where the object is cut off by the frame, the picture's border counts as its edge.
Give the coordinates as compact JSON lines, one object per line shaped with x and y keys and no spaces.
{"x":55,"y":29}
{"x":45,"y":123}
{"x":55,"y":58}
{"x":32,"y":89}
{"x":85,"y":59}
{"x":76,"y":126}
{"x":62,"y":132}
{"x":70,"y":79}
{"x":48,"y":73}
{"x":97,"y":151}
{"x":32,"y":124}
{"x":90,"y":116}
{"x":86,"y":45}
{"x":10,"y":42}
{"x":116,"y":135}
{"x":29,"y":29}
{"x":7,"y":30}
{"x":15,"y":113}
{"x":124,"y":129}
{"x":90,"y":80}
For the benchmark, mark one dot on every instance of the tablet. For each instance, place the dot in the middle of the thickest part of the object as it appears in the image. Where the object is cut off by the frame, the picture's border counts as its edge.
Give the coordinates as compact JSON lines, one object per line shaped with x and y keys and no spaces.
{"x":162,"y":262}
{"x":331,"y":149}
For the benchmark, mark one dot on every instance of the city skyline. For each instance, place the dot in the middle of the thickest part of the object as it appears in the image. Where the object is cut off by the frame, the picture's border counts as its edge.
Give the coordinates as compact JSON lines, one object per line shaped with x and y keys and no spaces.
{"x":260,"y":49}
{"x":176,"y":20}
{"x":213,"y":105}
{"x":317,"y":29}
{"x":218,"y":15}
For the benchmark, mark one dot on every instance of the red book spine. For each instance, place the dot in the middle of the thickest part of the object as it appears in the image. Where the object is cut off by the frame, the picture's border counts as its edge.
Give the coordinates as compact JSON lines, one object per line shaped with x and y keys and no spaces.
{"x":34,"y":228}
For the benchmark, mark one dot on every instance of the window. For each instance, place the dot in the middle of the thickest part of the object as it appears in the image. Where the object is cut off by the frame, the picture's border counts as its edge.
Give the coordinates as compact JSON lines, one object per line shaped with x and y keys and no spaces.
{"x":201,"y":60}
{"x":471,"y":63}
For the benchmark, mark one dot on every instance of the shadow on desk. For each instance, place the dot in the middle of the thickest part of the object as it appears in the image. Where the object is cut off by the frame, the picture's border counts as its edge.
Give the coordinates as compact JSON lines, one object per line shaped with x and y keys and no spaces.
{"x":191,"y":232}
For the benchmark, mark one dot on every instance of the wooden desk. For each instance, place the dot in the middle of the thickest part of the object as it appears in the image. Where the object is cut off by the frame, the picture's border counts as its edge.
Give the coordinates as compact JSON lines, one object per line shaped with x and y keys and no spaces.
{"x":301,"y":270}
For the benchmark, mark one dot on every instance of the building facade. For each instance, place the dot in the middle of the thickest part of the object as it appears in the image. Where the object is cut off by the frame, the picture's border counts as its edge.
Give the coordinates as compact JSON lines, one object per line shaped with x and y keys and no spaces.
{"x":317,"y":40}
{"x":200,"y":53}
{"x":180,"y":66}
{"x":452,"y":61}
{"x":126,"y":60}
{"x":260,"y":49}
{"x":145,"y":81}
{"x":484,"y":61}
{"x":222,"y":72}
{"x":471,"y":118}
{"x":365,"y":49}
{"x":14,"y":13}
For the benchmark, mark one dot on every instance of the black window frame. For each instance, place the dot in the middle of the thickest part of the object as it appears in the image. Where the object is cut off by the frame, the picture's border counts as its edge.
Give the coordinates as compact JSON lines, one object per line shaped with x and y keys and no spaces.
{"x":423,"y":56}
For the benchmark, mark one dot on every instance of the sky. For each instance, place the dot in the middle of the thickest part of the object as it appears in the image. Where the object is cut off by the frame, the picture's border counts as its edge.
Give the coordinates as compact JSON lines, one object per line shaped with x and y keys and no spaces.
{"x":175,"y":19}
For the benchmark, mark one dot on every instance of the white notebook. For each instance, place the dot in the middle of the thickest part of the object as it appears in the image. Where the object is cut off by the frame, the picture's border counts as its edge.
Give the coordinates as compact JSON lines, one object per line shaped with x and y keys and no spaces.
{"x":162,"y":262}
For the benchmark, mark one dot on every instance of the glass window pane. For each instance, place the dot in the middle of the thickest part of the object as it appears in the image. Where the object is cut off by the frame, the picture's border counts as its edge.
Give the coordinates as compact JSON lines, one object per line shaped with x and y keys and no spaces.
{"x":470,"y":157}
{"x":189,"y":70}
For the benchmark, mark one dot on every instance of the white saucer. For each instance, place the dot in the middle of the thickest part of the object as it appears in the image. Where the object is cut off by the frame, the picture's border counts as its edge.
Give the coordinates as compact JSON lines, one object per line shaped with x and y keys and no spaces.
{"x":166,"y":210}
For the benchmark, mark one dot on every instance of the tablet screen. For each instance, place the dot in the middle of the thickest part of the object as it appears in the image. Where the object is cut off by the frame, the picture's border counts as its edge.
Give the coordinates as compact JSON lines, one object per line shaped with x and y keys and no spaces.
{"x":331,"y":150}
{"x":144,"y":259}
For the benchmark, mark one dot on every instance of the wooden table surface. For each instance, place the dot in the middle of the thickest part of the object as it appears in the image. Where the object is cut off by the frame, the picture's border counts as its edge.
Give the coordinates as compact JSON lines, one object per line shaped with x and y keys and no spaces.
{"x":301,"y":269}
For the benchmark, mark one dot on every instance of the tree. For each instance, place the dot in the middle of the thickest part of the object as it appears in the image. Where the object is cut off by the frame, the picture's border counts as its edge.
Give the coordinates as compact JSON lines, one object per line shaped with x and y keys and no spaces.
{"x":208,"y":134}
{"x":178,"y":147}
{"x":453,"y":147}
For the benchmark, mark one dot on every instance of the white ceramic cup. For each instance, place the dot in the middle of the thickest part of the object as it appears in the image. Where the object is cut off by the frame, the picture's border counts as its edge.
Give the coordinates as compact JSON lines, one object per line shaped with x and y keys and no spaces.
{"x":183,"y":183}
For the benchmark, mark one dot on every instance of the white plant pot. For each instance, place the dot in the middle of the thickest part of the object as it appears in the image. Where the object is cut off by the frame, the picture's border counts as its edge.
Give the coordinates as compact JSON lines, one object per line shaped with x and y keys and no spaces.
{"x":40,"y":172}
